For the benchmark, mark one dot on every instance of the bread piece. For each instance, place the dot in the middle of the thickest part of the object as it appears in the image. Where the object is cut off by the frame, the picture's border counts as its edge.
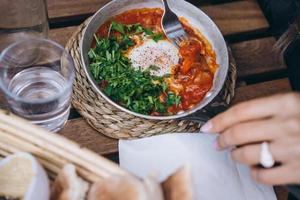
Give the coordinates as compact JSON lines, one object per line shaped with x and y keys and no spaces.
{"x":178,"y":186}
{"x":118,"y":188}
{"x":68,"y":186}
{"x":22,"y":177}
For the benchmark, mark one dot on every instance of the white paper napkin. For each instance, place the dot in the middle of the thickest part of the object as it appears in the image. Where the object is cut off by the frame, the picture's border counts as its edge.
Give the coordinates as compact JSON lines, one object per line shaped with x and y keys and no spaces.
{"x":215,"y":175}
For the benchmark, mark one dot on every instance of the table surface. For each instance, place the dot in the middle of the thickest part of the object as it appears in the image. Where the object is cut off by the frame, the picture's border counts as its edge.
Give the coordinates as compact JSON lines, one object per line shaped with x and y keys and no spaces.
{"x":242,"y":23}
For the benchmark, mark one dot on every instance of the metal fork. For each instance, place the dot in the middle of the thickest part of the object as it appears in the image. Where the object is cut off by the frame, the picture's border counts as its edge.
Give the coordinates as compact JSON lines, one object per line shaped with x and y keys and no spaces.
{"x":172,"y":26}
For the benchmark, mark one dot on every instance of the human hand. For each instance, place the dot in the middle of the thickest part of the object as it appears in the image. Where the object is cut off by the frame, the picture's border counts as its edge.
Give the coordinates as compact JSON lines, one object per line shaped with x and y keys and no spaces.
{"x":274,"y":119}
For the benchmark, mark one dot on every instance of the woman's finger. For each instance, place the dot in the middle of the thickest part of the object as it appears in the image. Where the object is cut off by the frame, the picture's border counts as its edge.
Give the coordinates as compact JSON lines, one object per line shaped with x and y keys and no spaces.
{"x":281,"y":175}
{"x":251,"y":110}
{"x":250,"y":132}
{"x":250,"y":154}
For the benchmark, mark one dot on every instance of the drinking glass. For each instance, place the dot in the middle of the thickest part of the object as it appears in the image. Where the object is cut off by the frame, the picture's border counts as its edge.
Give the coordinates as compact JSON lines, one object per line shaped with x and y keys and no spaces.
{"x":22,"y":19}
{"x":36,"y":76}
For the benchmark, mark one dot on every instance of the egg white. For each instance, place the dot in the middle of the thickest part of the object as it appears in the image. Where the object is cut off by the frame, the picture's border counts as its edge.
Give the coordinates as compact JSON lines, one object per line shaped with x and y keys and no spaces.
{"x":162,"y":54}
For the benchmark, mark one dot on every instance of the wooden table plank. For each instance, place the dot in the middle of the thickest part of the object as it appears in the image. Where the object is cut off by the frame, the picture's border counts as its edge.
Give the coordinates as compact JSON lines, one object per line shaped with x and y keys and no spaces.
{"x":232,"y":18}
{"x":62,"y":35}
{"x":261,"y":90}
{"x":78,"y":130}
{"x":237,"y":17}
{"x":67,"y":8}
{"x":281,"y":192}
{"x":256,"y":57}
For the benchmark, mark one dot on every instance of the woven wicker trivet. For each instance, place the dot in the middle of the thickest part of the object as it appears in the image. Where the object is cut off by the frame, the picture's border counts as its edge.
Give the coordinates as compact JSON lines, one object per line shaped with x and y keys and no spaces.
{"x":112,"y":122}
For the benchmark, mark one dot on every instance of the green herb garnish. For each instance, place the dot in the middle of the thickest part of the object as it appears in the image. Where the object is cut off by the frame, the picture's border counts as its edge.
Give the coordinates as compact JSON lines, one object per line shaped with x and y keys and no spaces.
{"x":157,"y":37}
{"x":135,"y":29}
{"x":135,"y":89}
{"x":148,"y":31}
{"x":118,"y":27}
{"x":173,"y":99}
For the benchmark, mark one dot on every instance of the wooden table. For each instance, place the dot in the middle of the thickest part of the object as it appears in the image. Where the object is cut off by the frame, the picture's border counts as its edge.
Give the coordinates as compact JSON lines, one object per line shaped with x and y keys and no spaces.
{"x":245,"y":28}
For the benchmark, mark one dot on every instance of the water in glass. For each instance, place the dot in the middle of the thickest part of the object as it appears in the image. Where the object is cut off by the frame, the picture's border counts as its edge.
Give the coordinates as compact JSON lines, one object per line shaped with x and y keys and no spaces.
{"x":38,"y":92}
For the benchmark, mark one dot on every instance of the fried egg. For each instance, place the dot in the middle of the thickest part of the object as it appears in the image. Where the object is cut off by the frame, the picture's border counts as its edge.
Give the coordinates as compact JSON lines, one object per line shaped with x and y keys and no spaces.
{"x":162,"y":54}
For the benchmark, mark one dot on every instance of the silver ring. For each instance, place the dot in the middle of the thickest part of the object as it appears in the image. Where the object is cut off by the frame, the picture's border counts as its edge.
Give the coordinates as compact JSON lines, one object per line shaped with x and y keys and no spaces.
{"x":266,"y":158}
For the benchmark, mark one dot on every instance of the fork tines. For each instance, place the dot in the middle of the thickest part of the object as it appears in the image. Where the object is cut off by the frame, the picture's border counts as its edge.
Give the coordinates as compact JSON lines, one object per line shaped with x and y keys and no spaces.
{"x":172,"y":26}
{"x":176,"y":33}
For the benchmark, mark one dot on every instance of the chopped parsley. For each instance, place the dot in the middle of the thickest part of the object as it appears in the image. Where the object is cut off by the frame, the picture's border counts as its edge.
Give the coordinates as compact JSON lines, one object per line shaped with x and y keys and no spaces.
{"x":135,"y":29}
{"x":135,"y":89}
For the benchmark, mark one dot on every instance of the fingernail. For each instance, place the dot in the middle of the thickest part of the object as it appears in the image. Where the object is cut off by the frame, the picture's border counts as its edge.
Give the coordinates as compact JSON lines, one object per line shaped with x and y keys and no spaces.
{"x":206,"y":127}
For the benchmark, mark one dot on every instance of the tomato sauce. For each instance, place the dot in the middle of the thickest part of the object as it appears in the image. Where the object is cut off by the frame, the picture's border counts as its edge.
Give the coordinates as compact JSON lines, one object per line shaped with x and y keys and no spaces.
{"x":193,"y":77}
{"x":147,"y":17}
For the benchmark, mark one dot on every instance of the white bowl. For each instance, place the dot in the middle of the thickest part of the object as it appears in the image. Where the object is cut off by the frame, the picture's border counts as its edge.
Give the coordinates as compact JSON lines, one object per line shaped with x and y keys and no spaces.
{"x":197,"y":18}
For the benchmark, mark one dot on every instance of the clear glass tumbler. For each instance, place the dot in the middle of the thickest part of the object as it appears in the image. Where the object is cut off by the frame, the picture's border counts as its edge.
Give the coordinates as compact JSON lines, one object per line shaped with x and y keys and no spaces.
{"x":22,"y":19}
{"x":36,"y":76}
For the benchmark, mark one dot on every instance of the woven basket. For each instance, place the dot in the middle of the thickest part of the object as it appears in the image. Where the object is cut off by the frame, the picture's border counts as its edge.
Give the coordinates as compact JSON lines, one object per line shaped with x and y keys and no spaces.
{"x":53,"y":151}
{"x":112,"y":122}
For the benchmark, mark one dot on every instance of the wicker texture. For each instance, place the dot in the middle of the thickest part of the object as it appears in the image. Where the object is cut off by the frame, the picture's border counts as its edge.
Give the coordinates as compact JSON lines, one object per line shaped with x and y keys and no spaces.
{"x":112,"y":122}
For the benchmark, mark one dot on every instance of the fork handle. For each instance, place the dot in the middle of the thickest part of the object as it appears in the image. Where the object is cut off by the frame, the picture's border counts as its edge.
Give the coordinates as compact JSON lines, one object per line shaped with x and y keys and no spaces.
{"x":166,"y":4}
{"x":169,"y":17}
{"x":198,"y":118}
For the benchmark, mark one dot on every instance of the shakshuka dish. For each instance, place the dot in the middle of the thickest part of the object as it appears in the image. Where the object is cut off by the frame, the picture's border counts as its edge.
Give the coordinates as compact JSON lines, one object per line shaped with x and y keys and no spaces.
{"x":137,"y":67}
